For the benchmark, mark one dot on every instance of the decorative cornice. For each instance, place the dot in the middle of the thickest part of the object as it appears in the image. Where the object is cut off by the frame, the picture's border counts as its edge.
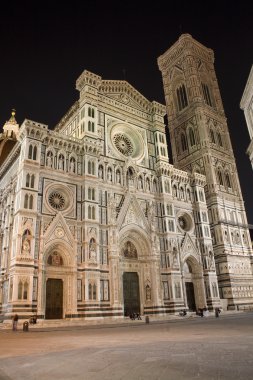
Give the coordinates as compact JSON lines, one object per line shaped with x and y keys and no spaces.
{"x":183,"y":46}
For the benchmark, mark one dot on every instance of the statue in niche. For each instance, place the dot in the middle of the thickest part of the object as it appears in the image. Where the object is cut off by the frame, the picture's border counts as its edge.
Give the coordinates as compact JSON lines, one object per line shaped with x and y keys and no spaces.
{"x":148,"y":293}
{"x":50,"y":160}
{"x":92,"y":249}
{"x":60,"y":164}
{"x":100,"y":172}
{"x":174,"y":256}
{"x":129,"y":251}
{"x":72,"y":165}
{"x":26,"y":247}
{"x":109,"y":174}
{"x":118,"y":176}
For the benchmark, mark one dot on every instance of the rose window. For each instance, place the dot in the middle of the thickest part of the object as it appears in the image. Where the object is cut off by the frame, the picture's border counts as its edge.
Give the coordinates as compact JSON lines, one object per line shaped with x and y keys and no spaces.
{"x":123,"y":144}
{"x":57,"y":200}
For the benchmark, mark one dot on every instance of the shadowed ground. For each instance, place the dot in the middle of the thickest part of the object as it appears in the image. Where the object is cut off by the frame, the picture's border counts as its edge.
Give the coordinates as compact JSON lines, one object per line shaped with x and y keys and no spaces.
{"x":197,"y":348}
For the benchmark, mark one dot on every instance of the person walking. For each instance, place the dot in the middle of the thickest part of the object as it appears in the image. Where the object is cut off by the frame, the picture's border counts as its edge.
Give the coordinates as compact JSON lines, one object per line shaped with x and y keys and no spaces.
{"x":217,"y":312}
{"x":15,"y":322}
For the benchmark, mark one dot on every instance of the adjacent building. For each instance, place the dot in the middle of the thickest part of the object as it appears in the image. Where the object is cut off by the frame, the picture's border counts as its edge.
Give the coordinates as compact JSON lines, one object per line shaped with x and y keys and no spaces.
{"x":247,"y":106}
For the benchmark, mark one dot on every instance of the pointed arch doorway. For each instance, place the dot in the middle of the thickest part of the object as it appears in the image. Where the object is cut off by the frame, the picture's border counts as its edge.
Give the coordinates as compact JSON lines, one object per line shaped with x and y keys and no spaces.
{"x":189,"y":285}
{"x":54,"y":299}
{"x":131,"y":293}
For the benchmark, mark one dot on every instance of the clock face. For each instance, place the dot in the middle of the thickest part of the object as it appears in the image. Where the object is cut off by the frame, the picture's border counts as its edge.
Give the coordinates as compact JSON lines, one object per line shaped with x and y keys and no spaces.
{"x":59,"y":232}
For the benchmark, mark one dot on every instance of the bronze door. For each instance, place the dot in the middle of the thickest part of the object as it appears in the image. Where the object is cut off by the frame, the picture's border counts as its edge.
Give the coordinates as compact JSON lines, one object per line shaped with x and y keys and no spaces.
{"x":190,"y":296}
{"x":131,"y":293}
{"x":54,"y":299}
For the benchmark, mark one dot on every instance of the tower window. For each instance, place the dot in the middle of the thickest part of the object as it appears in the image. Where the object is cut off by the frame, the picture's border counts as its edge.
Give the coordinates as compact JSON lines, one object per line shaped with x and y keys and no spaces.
{"x":192,"y":137}
{"x":206,"y":94}
{"x":227,"y":180}
{"x":183,"y":142}
{"x":182,"y":97}
{"x":212,"y":136}
{"x":219,"y":139}
{"x":220,"y":179}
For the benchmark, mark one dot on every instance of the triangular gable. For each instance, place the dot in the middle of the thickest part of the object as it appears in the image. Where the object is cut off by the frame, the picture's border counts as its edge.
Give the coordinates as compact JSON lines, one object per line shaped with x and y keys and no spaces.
{"x":125,"y":93}
{"x":188,"y":248}
{"x":58,"y":229}
{"x":131,"y":213}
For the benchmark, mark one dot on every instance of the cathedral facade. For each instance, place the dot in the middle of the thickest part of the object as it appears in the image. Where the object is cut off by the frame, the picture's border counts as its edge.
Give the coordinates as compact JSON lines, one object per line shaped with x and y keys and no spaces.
{"x":95,"y":221}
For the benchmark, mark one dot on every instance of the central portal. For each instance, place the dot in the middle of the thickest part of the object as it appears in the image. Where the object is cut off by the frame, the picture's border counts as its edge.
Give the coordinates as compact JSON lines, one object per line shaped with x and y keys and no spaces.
{"x":54,"y":299}
{"x":131,"y":293}
{"x":190,"y":296}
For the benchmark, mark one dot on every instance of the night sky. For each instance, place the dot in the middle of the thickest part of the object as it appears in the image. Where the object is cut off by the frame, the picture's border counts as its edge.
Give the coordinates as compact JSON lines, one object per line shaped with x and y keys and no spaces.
{"x":45,"y":47}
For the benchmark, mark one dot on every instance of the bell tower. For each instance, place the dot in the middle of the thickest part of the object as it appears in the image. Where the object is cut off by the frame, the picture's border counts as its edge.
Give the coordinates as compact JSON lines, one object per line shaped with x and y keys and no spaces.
{"x":201,"y":143}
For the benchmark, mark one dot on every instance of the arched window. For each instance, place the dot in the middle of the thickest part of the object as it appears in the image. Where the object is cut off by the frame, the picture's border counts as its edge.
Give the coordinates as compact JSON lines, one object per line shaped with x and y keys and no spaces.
{"x":27,"y":183}
{"x":31,"y":202}
{"x":91,"y":167}
{"x":154,"y":186}
{"x":91,"y":194}
{"x":201,"y":196}
{"x":182,"y":100}
{"x":35,"y":152}
{"x":212,"y":136}
{"x":26,"y":201}
{"x":220,"y":179}
{"x":183,"y":142}
{"x":219,"y":139}
{"x":25,"y":291}
{"x":227,"y":180}
{"x":181,"y":193}
{"x":20,"y":290}
{"x":32,"y":152}
{"x":89,"y":126}
{"x":89,"y":111}
{"x":148,"y":184}
{"x":206,"y":94}
{"x":32,"y":181}
{"x":192,"y":137}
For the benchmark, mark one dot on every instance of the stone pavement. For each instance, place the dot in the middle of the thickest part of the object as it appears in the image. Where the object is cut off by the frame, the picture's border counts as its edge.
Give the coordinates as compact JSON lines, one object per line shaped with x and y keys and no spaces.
{"x":178,"y":349}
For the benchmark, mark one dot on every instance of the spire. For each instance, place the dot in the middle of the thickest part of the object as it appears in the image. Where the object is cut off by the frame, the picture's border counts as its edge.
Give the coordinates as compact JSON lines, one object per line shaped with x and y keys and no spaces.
{"x":12,"y":118}
{"x":11,"y":127}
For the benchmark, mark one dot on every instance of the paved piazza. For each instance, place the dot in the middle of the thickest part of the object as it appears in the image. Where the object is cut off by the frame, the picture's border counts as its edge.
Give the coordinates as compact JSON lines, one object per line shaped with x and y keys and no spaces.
{"x":190,"y":348}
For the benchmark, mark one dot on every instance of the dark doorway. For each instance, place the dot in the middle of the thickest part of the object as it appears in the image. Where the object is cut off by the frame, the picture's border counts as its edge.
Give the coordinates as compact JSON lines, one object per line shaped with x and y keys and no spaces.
{"x":131,"y":293}
{"x":190,"y":296}
{"x":54,"y":299}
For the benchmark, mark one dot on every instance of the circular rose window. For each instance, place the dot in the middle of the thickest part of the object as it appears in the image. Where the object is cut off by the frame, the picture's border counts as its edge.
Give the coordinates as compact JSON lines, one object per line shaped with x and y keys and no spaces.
{"x":185,"y":222}
{"x":123,"y":144}
{"x":57,"y":200}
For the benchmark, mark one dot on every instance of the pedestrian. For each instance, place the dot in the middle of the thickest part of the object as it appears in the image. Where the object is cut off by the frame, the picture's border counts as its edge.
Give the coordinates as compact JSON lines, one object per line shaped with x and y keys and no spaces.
{"x":15,"y":322}
{"x":217,"y":312}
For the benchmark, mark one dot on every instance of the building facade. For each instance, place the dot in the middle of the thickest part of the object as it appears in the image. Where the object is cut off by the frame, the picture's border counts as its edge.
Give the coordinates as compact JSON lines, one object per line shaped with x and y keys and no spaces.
{"x":95,"y":221}
{"x":247,"y":107}
{"x":201,"y":143}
